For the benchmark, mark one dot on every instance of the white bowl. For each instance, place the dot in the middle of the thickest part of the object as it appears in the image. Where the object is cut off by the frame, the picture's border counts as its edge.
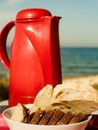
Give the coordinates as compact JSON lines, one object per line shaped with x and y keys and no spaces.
{"x":14,"y":125}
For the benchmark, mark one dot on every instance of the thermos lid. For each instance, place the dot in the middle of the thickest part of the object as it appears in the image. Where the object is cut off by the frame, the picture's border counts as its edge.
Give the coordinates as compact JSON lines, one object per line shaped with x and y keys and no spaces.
{"x":32,"y":13}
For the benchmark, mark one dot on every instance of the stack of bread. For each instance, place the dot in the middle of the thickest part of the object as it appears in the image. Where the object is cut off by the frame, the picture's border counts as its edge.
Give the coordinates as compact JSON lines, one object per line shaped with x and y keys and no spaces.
{"x":64,"y":104}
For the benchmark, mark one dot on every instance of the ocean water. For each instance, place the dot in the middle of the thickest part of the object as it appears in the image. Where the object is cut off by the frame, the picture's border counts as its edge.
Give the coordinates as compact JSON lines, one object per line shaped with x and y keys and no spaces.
{"x":79,"y":61}
{"x":74,"y":62}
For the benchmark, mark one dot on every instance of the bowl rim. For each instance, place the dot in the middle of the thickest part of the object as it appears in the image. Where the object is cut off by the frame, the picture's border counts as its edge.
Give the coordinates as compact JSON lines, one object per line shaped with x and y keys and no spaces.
{"x":12,"y":108}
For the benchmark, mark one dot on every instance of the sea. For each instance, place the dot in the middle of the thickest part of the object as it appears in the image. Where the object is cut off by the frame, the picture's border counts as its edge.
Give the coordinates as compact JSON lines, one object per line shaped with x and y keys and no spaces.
{"x":75,"y":61}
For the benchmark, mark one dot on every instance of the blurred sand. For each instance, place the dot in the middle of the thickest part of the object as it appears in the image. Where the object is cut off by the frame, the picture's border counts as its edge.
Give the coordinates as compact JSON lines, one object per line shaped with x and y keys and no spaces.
{"x":91,"y":80}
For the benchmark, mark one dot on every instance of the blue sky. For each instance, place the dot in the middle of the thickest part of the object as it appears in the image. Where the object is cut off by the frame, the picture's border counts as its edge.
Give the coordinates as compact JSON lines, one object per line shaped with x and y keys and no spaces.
{"x":79,"y":23}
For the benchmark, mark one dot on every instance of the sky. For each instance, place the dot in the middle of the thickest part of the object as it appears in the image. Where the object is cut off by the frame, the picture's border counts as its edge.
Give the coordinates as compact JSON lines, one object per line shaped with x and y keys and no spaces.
{"x":78,"y":26}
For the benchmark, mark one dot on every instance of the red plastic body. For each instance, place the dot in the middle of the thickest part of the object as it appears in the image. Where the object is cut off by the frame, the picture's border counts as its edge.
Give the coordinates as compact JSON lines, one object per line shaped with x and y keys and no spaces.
{"x":35,"y":54}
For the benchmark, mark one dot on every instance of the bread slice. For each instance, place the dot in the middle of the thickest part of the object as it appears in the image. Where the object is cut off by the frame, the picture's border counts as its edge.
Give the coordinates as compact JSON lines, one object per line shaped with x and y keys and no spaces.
{"x":43,"y":97}
{"x":77,"y":118}
{"x":75,"y":106}
{"x":65,"y":119}
{"x":21,"y":114}
{"x":37,"y":117}
{"x":48,"y":114}
{"x":56,"y":117}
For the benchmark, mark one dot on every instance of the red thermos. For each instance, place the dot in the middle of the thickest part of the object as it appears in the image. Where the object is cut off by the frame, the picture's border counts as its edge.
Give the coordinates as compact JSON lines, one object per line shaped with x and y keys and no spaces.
{"x":35,"y":54}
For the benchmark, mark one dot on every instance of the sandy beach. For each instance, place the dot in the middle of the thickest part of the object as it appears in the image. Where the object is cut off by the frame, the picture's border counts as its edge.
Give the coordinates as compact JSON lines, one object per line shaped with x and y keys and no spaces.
{"x":92,"y":80}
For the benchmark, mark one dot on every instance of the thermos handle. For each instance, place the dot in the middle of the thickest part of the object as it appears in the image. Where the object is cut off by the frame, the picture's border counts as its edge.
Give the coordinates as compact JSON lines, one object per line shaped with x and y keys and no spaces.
{"x":3,"y":38}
